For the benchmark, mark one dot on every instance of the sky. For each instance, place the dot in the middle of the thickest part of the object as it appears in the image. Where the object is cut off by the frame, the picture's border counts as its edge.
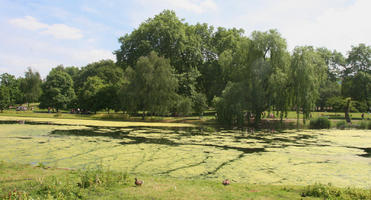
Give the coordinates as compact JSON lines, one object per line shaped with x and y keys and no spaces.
{"x":43,"y":34}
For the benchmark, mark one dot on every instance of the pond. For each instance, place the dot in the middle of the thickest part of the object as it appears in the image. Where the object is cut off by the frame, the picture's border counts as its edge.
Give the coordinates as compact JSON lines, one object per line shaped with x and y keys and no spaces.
{"x":340,"y":157}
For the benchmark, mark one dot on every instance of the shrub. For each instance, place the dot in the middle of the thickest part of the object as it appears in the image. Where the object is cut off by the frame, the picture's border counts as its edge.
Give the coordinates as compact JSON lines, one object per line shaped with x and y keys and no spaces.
{"x":341,"y":125}
{"x":330,"y":192}
{"x":363,"y":125}
{"x":319,"y":123}
{"x":100,"y":177}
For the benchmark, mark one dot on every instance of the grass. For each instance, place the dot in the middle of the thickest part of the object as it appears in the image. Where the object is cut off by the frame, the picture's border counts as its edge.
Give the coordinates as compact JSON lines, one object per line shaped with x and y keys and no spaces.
{"x":28,"y":182}
{"x":86,"y":122}
{"x":207,"y":119}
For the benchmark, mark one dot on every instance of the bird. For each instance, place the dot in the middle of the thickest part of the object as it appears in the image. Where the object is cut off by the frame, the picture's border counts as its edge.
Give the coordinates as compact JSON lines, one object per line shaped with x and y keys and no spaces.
{"x":138,"y":182}
{"x":226,"y":182}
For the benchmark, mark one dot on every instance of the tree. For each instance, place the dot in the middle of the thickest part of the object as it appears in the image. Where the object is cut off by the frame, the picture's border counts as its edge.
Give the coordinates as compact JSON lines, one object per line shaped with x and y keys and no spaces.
{"x":183,"y":106}
{"x":111,"y":76}
{"x":153,"y":85}
{"x":335,"y":63}
{"x":31,"y":86}
{"x":231,"y":105}
{"x":200,"y":104}
{"x":13,"y":86}
{"x":357,"y":75}
{"x":359,"y":59}
{"x":186,"y":47}
{"x":269,"y":51}
{"x":4,"y":97}
{"x":57,"y":90}
{"x":260,"y":67}
{"x":89,"y":95}
{"x":307,"y":73}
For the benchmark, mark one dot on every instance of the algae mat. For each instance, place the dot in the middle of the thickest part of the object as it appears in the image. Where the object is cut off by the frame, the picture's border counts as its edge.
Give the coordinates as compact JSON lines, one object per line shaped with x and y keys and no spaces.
{"x":92,"y":122}
{"x":340,"y":157}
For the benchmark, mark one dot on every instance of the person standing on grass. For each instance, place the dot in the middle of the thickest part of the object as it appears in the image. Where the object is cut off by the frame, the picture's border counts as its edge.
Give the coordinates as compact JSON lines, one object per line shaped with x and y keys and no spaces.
{"x":363,"y":116}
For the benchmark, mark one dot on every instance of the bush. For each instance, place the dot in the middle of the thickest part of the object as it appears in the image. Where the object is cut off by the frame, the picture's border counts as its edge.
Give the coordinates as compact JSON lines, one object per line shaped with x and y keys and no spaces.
{"x":100,"y":177}
{"x":341,"y":125}
{"x":330,"y":192}
{"x":364,"y":125}
{"x":184,"y":106}
{"x":319,"y":123}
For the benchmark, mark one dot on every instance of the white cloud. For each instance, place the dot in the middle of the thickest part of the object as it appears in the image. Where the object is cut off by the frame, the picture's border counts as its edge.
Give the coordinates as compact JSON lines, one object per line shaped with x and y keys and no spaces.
{"x":62,"y":31}
{"x":29,"y":23}
{"x":335,"y":24}
{"x":58,"y":31}
{"x":334,"y":28}
{"x":196,"y":6}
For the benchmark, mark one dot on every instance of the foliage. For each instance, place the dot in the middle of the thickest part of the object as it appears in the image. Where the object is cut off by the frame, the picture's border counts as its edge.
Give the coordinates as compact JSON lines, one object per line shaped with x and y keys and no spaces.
{"x":307,"y":73}
{"x":364,"y":124}
{"x":89,"y":96}
{"x":330,"y":192}
{"x":166,"y":64}
{"x":320,"y":123}
{"x":57,"y":90}
{"x":342,"y":125}
{"x":4,"y":97}
{"x":230,"y":106}
{"x":357,"y":75}
{"x":31,"y":86}
{"x":100,"y":177}
{"x":9,"y":81}
{"x":152,"y":85}
{"x":200,"y":104}
{"x":183,"y":106}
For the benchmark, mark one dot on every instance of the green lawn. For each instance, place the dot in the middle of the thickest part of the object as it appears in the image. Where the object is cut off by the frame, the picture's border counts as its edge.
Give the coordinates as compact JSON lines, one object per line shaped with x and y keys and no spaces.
{"x":29,"y":182}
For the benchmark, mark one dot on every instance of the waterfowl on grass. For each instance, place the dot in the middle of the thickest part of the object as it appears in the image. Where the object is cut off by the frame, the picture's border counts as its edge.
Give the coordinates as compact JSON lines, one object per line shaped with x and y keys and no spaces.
{"x":226,"y":182}
{"x":138,"y":182}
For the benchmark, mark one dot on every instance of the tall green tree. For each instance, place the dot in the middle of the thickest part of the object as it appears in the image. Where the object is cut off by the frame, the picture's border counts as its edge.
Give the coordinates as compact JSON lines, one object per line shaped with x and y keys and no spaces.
{"x":89,"y":96}
{"x":308,"y":70}
{"x":4,"y":97}
{"x":13,"y":85}
{"x":153,"y":85}
{"x":356,"y":77}
{"x":359,"y":59}
{"x":58,"y":89}
{"x":31,"y":86}
{"x":182,"y":44}
{"x":112,"y":77}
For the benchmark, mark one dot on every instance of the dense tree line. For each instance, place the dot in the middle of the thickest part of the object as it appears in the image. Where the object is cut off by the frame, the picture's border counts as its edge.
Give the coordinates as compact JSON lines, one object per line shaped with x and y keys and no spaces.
{"x":167,"y":66}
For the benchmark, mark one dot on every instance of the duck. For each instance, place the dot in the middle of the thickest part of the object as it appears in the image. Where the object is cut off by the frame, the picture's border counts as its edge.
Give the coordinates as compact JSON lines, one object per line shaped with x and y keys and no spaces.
{"x":226,"y":182}
{"x":138,"y":182}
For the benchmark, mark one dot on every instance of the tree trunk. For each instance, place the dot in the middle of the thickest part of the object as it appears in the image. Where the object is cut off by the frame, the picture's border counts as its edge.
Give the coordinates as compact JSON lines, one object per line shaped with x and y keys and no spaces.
{"x":297,"y":117}
{"x":257,"y":119}
{"x":281,"y":118}
{"x":347,"y":109}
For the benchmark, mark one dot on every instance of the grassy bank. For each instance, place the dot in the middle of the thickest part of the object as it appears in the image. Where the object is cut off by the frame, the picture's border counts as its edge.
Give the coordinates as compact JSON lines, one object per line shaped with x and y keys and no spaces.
{"x":207,"y":119}
{"x":87,"y":122}
{"x":39,"y":182}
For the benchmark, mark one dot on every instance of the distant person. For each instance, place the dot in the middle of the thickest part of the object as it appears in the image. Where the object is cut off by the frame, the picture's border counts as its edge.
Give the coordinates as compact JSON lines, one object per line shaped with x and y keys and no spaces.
{"x":363,"y":116}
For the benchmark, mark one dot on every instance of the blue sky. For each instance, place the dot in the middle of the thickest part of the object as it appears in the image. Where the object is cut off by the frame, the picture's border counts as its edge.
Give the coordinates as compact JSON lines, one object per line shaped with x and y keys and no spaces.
{"x":45,"y":33}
